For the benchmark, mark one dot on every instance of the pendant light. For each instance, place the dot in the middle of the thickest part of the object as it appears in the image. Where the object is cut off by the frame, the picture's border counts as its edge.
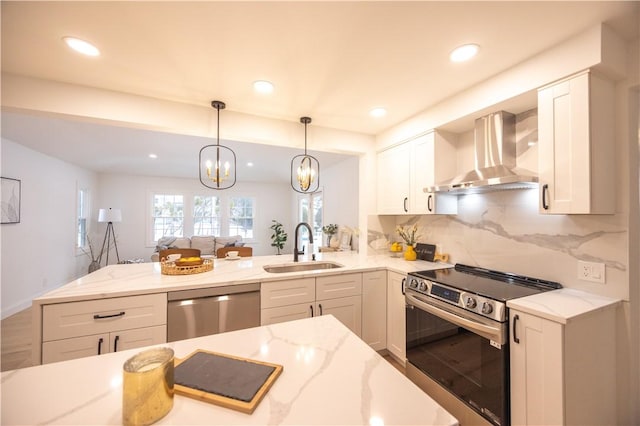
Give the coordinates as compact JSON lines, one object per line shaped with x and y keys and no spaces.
{"x":217,"y":162}
{"x":305,"y":178}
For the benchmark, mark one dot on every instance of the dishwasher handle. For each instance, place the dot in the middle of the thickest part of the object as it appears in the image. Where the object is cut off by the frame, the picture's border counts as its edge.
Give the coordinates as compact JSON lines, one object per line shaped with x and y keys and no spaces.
{"x":212,"y":291}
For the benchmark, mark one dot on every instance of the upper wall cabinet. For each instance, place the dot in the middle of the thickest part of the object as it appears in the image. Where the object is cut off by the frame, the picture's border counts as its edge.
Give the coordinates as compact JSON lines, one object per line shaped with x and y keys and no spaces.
{"x":406,"y":169}
{"x":576,"y":154}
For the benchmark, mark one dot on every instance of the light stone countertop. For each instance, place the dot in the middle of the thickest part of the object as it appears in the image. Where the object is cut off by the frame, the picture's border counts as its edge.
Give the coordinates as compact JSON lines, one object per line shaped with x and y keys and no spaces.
{"x":330,"y":377}
{"x":146,"y":278}
{"x":562,"y":305}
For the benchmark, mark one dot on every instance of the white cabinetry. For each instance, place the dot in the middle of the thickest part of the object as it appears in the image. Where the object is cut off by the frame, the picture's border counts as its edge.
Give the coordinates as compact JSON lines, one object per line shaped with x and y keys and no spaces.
{"x":435,"y":162}
{"x":394,"y":179}
{"x":339,"y":295}
{"x":396,"y":326}
{"x":576,"y":153}
{"x":77,"y":329}
{"x":374,"y":309}
{"x":406,"y":169}
{"x":563,"y":373}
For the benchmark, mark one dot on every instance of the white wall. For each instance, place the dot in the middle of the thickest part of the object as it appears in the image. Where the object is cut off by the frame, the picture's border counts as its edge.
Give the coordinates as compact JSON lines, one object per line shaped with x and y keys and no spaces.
{"x":38,"y":254}
{"x":340,"y":195}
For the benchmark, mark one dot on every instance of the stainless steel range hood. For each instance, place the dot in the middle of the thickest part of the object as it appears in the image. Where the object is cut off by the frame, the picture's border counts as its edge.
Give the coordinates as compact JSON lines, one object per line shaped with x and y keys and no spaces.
{"x":495,"y":160}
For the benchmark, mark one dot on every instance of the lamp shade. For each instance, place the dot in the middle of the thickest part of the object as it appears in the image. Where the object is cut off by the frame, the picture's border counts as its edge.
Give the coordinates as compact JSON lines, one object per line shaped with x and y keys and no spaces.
{"x":109,"y":215}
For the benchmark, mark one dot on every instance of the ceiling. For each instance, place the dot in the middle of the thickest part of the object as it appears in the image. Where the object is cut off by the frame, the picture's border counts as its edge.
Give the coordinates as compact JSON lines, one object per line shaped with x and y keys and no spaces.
{"x":332,"y":61}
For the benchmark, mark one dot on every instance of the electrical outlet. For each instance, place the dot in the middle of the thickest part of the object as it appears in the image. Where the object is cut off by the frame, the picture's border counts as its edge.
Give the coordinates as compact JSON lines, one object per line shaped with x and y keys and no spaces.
{"x":591,"y":271}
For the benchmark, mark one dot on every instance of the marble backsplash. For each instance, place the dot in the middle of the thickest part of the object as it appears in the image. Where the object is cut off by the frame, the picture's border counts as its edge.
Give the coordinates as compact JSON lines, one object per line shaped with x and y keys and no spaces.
{"x":504,"y":231}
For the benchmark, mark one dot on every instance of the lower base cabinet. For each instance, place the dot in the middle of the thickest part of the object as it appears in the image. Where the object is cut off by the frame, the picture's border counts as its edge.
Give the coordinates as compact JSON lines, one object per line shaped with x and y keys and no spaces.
{"x":374,"y":309}
{"x":338,"y":295}
{"x":396,"y":325}
{"x":77,"y":329}
{"x":78,"y":347}
{"x":563,"y":374}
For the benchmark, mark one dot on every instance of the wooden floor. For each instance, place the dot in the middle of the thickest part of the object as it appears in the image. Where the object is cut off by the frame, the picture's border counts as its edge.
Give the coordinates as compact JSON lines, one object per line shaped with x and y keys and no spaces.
{"x":15,"y":340}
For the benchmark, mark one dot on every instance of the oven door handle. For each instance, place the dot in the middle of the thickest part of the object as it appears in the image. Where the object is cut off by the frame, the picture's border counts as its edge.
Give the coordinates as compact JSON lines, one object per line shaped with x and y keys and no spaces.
{"x":492,"y":333}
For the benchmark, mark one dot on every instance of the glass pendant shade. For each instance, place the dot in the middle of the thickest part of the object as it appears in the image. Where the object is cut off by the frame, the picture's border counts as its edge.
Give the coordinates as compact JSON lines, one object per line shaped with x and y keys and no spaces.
{"x":305,"y":168}
{"x":217,"y":162}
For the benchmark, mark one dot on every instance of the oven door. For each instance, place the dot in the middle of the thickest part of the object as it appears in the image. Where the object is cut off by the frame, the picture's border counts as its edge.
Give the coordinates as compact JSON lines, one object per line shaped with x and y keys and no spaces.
{"x":465,"y":353}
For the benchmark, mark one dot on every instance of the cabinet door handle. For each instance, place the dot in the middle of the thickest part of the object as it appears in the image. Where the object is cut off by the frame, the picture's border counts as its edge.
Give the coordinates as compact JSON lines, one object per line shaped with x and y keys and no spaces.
{"x":545,"y":194}
{"x":404,"y":280}
{"x":311,"y":306}
{"x":96,"y":316}
{"x":430,"y":203}
{"x":320,"y":306}
{"x":404,"y":204}
{"x":115,"y":343}
{"x":516,"y":339}
{"x":100,"y":340}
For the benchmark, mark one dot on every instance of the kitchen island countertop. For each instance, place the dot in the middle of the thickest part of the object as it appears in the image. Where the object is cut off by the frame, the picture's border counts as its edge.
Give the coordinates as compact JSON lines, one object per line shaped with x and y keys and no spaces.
{"x":330,"y":377}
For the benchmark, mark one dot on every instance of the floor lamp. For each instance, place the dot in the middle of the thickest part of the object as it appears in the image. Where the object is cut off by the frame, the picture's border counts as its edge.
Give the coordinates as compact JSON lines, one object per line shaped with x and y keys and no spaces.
{"x":109,"y":215}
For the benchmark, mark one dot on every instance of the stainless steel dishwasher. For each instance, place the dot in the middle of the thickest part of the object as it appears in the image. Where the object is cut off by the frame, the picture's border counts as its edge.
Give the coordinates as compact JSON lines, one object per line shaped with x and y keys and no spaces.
{"x":200,"y":312}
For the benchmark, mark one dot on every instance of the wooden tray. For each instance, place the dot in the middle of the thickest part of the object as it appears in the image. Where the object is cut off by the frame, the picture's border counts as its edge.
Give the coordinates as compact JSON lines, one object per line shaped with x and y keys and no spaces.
{"x":170,"y":268}
{"x":225,"y":380}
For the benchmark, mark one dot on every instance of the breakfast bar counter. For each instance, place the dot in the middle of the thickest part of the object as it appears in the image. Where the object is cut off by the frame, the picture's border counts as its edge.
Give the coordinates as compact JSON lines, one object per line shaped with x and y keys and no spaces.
{"x":329,"y":377}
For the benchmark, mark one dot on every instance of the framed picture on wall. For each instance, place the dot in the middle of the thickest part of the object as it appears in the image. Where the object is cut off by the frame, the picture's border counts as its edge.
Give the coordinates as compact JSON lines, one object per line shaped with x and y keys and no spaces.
{"x":10,"y":200}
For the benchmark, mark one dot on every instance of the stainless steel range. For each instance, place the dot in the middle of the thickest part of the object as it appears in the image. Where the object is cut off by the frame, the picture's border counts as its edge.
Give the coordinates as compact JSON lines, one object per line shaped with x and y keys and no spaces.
{"x":457,"y":337}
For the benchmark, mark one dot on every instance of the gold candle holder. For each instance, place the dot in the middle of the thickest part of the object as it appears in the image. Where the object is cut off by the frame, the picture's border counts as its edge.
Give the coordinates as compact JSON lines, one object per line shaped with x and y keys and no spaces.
{"x":147,"y":387}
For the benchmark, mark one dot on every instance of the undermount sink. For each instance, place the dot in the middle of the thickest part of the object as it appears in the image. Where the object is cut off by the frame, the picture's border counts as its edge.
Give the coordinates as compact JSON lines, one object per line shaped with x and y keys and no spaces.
{"x":301,"y":266}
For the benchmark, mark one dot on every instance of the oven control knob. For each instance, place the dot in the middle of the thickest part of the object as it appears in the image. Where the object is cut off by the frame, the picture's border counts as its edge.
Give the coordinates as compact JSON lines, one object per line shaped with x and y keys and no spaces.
{"x":413,"y":283}
{"x":471,"y":302}
{"x":423,"y":286}
{"x":487,"y":308}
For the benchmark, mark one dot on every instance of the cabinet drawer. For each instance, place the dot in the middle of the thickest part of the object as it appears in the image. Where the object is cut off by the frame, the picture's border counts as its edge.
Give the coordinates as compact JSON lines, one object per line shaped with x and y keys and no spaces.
{"x":77,"y":347}
{"x":74,"y":319}
{"x":289,"y":292}
{"x":286,"y":313}
{"x":335,"y":286}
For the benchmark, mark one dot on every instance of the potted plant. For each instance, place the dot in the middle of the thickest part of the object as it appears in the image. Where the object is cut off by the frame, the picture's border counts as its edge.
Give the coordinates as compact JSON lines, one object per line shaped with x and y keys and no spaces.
{"x":279,"y":236}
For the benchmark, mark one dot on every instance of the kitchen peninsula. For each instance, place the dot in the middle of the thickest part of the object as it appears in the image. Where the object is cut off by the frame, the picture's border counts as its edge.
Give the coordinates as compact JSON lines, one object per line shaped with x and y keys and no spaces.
{"x":64,"y":316}
{"x":330,"y":376}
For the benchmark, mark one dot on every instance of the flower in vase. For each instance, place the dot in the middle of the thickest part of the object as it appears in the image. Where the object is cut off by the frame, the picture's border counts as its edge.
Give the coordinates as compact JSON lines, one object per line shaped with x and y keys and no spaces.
{"x":408,"y":234}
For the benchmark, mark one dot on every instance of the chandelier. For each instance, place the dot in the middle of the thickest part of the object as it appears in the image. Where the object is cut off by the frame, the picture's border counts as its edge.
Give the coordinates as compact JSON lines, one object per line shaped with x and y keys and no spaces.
{"x":305,"y":178}
{"x":217,"y":162}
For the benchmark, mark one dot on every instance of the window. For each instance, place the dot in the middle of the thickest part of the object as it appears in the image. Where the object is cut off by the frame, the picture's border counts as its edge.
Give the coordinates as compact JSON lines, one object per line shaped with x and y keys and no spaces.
{"x":168,"y":216}
{"x":82,"y":215}
{"x":241,"y":212}
{"x":310,"y":211}
{"x":206,"y":215}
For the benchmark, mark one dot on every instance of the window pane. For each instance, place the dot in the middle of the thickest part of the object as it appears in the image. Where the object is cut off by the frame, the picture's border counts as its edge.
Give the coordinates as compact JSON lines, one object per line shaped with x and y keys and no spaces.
{"x":168,"y":216}
{"x":82,"y":213}
{"x":206,"y":215}
{"x":241,"y":213}
{"x":317,"y":217}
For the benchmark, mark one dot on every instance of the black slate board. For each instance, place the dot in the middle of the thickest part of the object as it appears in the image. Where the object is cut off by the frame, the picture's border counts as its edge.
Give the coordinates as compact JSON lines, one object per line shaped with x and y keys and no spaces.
{"x":425,"y":251}
{"x":225,"y":380}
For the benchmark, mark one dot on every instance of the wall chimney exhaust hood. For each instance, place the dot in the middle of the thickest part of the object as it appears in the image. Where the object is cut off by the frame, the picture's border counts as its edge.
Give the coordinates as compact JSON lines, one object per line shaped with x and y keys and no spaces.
{"x":495,"y":160}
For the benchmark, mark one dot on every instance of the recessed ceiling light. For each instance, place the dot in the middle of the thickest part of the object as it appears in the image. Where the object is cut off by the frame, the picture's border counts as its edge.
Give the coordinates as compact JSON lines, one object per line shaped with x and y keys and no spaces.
{"x":263,"y":86}
{"x":154,"y":156}
{"x":378,"y":112}
{"x":464,"y":52}
{"x":249,"y":164}
{"x":81,"y":46}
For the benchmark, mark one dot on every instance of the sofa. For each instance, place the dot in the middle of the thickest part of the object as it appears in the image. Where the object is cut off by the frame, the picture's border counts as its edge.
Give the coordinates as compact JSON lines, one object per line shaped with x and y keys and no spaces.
{"x":207,"y":244}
